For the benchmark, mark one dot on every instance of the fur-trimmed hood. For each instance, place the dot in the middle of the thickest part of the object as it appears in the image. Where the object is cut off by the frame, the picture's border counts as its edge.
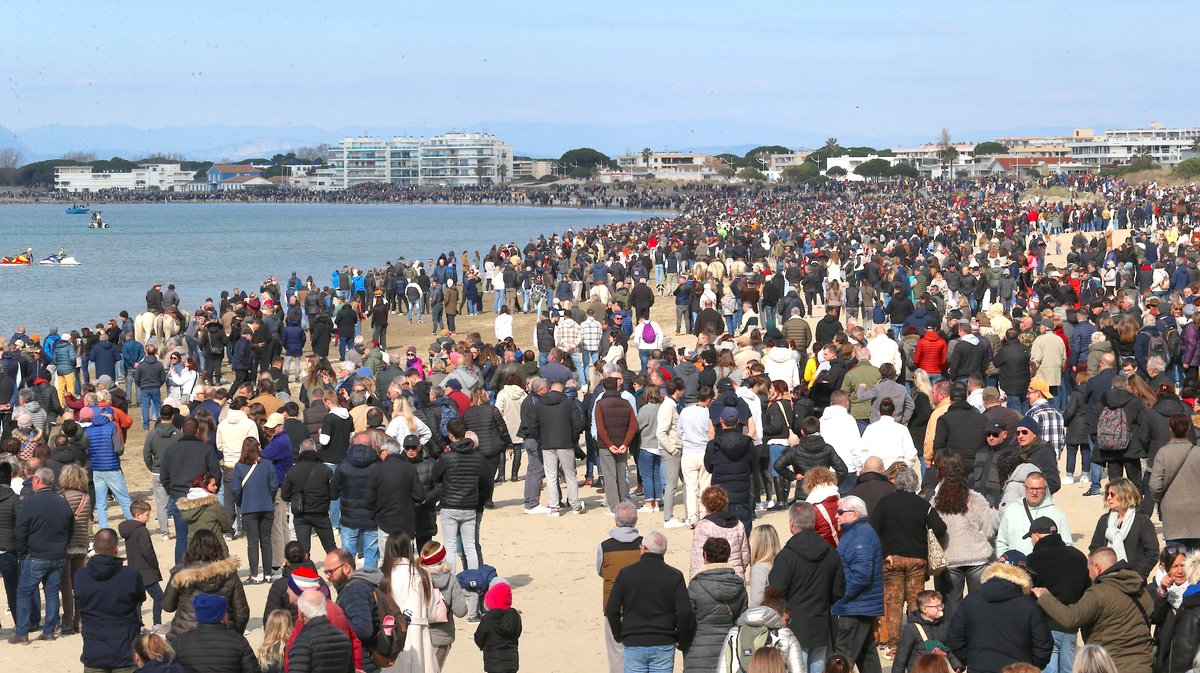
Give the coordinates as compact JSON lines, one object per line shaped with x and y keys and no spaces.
{"x":189,"y":503}
{"x":1013,"y":574}
{"x":214,"y":573}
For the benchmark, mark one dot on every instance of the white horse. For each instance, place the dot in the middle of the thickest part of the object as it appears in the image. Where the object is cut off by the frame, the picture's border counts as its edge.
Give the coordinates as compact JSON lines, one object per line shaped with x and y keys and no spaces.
{"x":159,"y":327}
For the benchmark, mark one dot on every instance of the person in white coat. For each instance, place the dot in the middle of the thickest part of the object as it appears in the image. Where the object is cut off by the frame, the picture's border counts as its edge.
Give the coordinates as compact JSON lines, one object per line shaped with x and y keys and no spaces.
{"x":839,"y":430}
{"x":647,"y":337}
{"x":780,"y":365}
{"x":888,"y":440}
{"x":412,"y":589}
{"x":883,"y":348}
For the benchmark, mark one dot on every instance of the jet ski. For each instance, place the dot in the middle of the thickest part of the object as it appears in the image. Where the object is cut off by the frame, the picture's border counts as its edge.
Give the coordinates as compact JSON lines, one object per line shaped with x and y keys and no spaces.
{"x":55,"y":260}
{"x":22,"y":259}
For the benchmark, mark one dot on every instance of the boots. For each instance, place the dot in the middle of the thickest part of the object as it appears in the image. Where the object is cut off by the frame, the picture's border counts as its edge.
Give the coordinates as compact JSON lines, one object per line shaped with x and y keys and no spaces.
{"x":499,"y":476}
{"x":782,"y":492}
{"x":516,"y":464}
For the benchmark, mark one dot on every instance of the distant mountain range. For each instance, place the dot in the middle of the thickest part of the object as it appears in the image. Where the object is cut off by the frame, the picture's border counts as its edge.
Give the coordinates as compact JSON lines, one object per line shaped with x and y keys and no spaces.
{"x":222,"y":142}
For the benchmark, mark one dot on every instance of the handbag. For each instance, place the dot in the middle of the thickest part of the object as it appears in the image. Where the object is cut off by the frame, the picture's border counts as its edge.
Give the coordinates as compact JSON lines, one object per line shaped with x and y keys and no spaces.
{"x":935,"y":556}
{"x":439,"y":614}
{"x":792,"y":439}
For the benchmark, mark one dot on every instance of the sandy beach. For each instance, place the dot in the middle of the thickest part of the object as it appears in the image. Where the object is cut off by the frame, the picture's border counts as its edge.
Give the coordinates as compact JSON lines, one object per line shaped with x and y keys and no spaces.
{"x":550,"y":562}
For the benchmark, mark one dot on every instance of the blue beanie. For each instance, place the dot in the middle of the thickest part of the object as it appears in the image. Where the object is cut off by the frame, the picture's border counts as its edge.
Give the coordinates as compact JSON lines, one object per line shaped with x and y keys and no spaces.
{"x":1030,"y":424}
{"x":210,"y":608}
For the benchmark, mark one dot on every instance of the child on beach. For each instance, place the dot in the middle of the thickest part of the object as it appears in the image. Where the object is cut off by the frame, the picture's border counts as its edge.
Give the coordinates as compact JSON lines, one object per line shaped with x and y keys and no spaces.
{"x":925,"y":632}
{"x":139,"y":550}
{"x":499,"y":630}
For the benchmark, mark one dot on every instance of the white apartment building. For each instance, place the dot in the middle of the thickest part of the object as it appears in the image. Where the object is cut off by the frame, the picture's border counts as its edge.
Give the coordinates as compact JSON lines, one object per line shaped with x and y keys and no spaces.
{"x":448,"y":160}
{"x":164,"y":177}
{"x":777,"y":162}
{"x":849,"y":163}
{"x":1122,"y":146}
{"x":686,"y":166}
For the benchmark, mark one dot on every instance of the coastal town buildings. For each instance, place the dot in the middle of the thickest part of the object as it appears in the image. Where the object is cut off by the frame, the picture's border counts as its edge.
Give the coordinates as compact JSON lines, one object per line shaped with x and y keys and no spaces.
{"x":82,"y":179}
{"x":1166,"y":146}
{"x":447,"y":160}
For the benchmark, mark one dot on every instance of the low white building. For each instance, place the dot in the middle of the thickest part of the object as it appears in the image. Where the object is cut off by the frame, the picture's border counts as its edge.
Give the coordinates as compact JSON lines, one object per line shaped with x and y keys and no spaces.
{"x":1121,"y":146}
{"x":681,"y":166}
{"x":849,"y":163}
{"x":163,"y":177}
{"x":776,"y":163}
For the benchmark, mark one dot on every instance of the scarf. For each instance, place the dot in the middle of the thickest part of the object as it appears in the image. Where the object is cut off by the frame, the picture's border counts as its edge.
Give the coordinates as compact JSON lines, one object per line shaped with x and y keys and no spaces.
{"x":1115,"y":535}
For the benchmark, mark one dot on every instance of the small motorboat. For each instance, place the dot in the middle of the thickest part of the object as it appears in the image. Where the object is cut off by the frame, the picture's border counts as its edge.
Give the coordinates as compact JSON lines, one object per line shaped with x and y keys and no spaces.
{"x":97,"y":221}
{"x":55,"y":260}
{"x":23,"y":259}
{"x":77,"y":210}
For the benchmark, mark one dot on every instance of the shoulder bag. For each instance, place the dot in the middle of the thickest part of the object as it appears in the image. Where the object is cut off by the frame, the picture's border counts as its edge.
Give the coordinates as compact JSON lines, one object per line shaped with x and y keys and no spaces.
{"x":792,"y":439}
{"x":935,"y":555}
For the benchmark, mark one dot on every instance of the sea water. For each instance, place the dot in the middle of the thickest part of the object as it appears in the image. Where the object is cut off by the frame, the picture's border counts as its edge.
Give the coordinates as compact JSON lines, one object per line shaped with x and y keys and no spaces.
{"x":206,"y":248}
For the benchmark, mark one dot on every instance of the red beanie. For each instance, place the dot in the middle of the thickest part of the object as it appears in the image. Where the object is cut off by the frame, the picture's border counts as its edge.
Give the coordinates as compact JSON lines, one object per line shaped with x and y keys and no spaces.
{"x":499,"y":597}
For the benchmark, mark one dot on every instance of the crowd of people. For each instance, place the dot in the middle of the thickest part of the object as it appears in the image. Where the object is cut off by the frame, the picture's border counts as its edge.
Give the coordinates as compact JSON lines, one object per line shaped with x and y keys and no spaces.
{"x":919,"y":428}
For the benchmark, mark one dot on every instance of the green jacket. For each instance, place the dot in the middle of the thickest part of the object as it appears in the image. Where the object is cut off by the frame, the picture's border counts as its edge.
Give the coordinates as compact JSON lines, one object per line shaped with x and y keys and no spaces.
{"x":799,"y":332}
{"x":374,"y":360}
{"x":1108,"y":616}
{"x":867,"y":374}
{"x":205,"y":514}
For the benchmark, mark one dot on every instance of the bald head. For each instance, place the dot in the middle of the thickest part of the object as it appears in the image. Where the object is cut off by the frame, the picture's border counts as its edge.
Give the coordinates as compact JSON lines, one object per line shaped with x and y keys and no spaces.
{"x":873,"y":464}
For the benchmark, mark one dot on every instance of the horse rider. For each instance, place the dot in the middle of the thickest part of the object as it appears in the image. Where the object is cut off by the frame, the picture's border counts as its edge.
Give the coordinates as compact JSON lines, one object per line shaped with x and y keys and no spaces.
{"x":154,"y":299}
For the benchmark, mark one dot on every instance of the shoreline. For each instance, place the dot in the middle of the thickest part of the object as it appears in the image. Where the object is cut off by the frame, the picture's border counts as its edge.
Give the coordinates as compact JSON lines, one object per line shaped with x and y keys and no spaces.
{"x":145,"y":202}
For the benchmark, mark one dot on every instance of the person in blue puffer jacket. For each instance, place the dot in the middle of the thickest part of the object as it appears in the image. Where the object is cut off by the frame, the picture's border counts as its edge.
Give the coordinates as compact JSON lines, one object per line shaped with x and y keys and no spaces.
{"x":105,"y":447}
{"x":862,"y":563}
{"x":293,"y":347}
{"x":62,"y":356}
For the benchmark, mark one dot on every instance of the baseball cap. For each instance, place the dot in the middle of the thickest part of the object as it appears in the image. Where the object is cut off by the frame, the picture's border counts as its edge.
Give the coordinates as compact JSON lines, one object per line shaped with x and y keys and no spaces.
{"x":1015,"y":558}
{"x":1041,"y":386}
{"x":1043,"y":525}
{"x":729,"y":415}
{"x":274,"y":420}
{"x":996,"y":426}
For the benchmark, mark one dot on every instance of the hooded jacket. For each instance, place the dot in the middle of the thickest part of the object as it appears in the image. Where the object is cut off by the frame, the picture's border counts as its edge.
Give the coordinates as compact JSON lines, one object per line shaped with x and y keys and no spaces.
{"x":726,"y":526}
{"x":231,"y":433}
{"x":1179,"y":636}
{"x":497,"y":636}
{"x":217,"y":577}
{"x":150,"y":374}
{"x":109,"y":596}
{"x":911,"y":645}
{"x":1113,"y":614}
{"x":1000,"y":624}
{"x":780,"y":365}
{"x":930,"y":353}
{"x":139,"y":551}
{"x":729,"y":458}
{"x":1062,"y":570}
{"x":812,"y":451}
{"x":717,"y":596}
{"x":157,"y":440}
{"x":356,"y":598}
{"x":104,"y":355}
{"x":809,"y":575}
{"x":203,"y":511}
{"x":464,"y":477}
{"x":781,"y":638}
{"x":293,"y":339}
{"x":350,"y":484}
{"x":182,"y":461}
{"x":1137,"y":415}
{"x":557,"y":422}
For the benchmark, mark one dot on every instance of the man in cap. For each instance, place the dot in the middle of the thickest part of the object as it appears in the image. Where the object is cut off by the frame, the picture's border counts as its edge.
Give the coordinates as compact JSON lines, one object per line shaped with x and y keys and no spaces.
{"x":1034,"y":449}
{"x":1063,"y":571}
{"x":154,"y":299}
{"x":211,"y":646}
{"x":1049,"y":420}
{"x":729,"y":458}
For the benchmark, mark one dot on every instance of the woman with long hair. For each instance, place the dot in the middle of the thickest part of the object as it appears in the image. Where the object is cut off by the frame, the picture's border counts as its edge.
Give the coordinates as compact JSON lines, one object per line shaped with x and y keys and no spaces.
{"x":153,"y":654}
{"x":277,"y":631}
{"x":777,"y":428}
{"x":1095,"y":659}
{"x":491,"y":431}
{"x":206,"y":427}
{"x":649,"y":458}
{"x":411,"y":587}
{"x":182,"y":377}
{"x":73,"y":483}
{"x":764,"y":547}
{"x":206,"y":569}
{"x":918,"y":423}
{"x":255,"y":482}
{"x":405,"y":422}
{"x":970,"y":530}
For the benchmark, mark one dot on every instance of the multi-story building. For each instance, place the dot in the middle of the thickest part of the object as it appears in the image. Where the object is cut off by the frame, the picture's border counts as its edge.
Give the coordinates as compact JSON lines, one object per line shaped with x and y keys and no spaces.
{"x":777,"y":162}
{"x":532,"y":169}
{"x":1121,"y":146}
{"x":448,"y":160}
{"x":164,"y":177}
{"x":687,"y":166}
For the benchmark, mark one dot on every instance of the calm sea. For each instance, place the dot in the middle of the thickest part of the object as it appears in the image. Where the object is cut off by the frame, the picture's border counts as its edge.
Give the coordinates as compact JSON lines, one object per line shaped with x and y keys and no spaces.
{"x":206,"y":248}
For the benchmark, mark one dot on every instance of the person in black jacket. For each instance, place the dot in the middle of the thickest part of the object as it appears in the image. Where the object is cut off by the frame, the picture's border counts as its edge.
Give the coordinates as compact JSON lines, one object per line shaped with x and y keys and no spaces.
{"x":648,"y":609}
{"x":178,"y":465}
{"x":139,"y":551}
{"x":211,"y":647}
{"x":426,"y":509}
{"x":960,"y":429}
{"x":109,"y":598}
{"x":241,"y":360}
{"x":729,"y":458}
{"x":393,"y":490}
{"x":465,"y":479}
{"x":808,"y":574}
{"x":1063,"y":571}
{"x":10,"y":506}
{"x":1000,"y":624}
{"x":1012,"y":361}
{"x":812,"y":451}
{"x":350,"y":484}
{"x":308,"y":487}
{"x":499,"y":630}
{"x":320,"y":647}
{"x":43,"y":529}
{"x":555,"y":426}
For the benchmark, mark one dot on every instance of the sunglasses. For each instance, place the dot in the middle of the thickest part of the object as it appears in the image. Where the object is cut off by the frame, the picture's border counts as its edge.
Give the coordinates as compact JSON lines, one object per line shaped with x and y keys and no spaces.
{"x":995,"y":434}
{"x":1024,"y":432}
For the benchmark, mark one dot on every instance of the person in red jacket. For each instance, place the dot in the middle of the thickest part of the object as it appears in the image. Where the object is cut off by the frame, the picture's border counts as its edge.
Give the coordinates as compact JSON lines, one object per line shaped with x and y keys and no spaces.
{"x":930,"y":354}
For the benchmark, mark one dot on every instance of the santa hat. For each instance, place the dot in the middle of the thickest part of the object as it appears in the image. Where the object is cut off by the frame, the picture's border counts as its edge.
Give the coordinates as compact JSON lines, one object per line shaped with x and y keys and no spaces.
{"x":499,"y":597}
{"x":303,"y":579}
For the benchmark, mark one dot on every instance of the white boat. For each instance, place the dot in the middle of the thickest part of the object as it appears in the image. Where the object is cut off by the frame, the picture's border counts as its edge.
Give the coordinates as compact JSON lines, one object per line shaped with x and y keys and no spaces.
{"x":97,"y":221}
{"x":55,"y":260}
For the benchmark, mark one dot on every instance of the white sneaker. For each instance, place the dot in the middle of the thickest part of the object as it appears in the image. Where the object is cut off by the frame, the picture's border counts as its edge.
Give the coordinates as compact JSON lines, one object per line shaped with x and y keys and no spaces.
{"x":674,"y":523}
{"x":646,"y":508}
{"x":540,"y":509}
{"x":555,"y":511}
{"x":580,"y":507}
{"x":1068,"y":479}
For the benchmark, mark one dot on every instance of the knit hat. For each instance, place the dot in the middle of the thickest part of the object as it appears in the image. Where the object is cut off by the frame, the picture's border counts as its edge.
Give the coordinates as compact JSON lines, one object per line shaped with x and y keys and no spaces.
{"x":210,"y":608}
{"x":303,"y":579}
{"x":453,"y":384}
{"x":435,"y":555}
{"x":1029,"y":424}
{"x":499,"y":597}
{"x":105,"y":380}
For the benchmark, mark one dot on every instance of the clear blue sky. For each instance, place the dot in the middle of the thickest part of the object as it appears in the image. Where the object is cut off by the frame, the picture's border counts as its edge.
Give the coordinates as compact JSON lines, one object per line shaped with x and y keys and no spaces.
{"x":855,"y":68}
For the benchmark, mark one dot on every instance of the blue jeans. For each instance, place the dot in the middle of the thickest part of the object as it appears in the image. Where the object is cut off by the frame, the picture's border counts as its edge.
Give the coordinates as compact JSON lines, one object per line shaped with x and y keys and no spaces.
{"x":650,"y":470}
{"x":148,"y":397}
{"x":776,"y":451}
{"x":113,"y":480}
{"x":589,"y":358}
{"x":813,"y":659}
{"x":370,"y":543}
{"x":335,"y":506}
{"x":644,"y":354}
{"x":345,"y":343}
{"x":580,"y":370}
{"x":1063,"y":656}
{"x":657,"y":659}
{"x":414,"y":306}
{"x":34,"y":572}
{"x":498,"y":302}
{"x":181,"y":530}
